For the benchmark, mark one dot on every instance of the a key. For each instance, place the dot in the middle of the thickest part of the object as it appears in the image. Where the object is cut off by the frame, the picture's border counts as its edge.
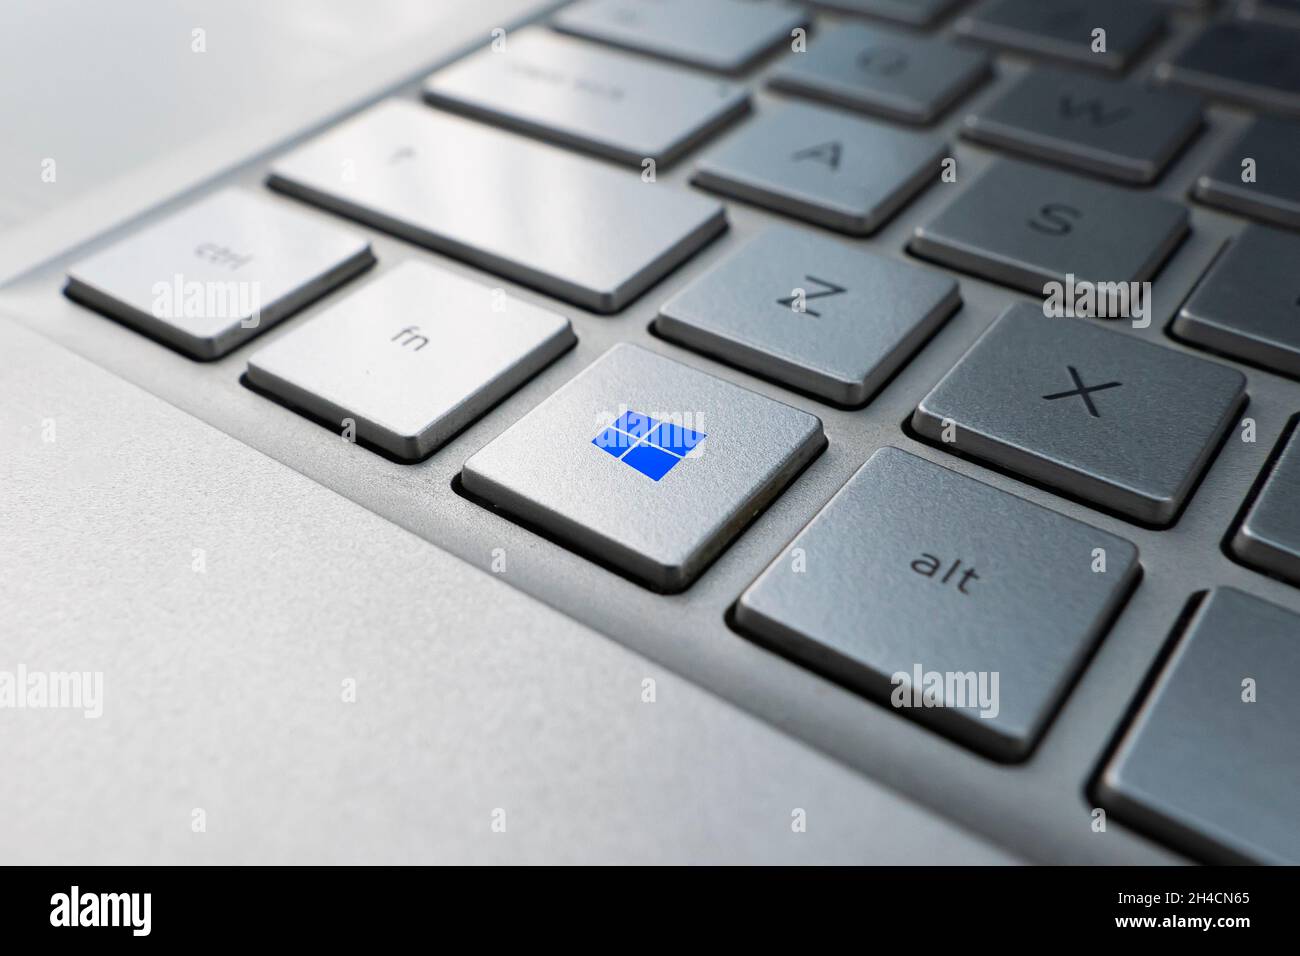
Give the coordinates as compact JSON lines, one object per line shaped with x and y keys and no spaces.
{"x":914,"y":13}
{"x":645,"y":464}
{"x":1095,"y":413}
{"x":1119,"y":130}
{"x":823,"y":166}
{"x":411,"y":358}
{"x":812,"y":313}
{"x":901,"y":77}
{"x":1024,"y":225}
{"x":500,"y":201}
{"x":1259,"y":175}
{"x":955,"y":603}
{"x":1210,"y":763}
{"x":1248,"y":305}
{"x":1068,"y":29}
{"x":208,"y":278}
{"x":1268,"y":538}
{"x":723,"y":35}
{"x":1255,"y":64}
{"x":617,"y":105}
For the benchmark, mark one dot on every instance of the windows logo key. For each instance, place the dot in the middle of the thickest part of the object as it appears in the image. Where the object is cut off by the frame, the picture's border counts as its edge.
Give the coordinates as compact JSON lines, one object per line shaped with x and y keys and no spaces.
{"x":650,"y":446}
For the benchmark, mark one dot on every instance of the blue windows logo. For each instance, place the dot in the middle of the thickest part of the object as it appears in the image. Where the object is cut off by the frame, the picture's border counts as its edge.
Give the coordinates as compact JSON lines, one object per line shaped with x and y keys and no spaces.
{"x":650,"y":446}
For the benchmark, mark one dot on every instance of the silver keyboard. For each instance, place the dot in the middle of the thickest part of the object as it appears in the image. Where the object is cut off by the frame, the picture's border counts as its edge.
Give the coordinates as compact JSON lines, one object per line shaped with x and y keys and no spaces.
{"x":720,"y":326}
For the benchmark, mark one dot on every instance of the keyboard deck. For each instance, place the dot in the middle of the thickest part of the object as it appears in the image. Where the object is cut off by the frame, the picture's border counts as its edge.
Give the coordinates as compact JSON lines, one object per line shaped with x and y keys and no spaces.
{"x":1137,"y":439}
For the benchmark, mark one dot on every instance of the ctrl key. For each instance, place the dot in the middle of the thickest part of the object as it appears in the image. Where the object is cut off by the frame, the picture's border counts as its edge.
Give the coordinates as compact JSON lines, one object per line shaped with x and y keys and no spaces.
{"x":960,"y":605}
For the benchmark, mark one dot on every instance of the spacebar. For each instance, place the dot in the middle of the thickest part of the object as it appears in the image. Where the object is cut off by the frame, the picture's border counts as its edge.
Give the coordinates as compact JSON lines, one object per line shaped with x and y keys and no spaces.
{"x":573,"y":227}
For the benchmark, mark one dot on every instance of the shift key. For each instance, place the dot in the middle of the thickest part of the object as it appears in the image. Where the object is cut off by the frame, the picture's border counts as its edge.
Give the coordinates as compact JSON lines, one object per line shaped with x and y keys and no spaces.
{"x":527,"y":211}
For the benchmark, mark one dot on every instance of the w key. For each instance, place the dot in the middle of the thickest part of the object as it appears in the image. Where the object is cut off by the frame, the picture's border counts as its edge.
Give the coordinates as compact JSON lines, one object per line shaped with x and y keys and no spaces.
{"x":1118,"y":130}
{"x":1025,"y":226}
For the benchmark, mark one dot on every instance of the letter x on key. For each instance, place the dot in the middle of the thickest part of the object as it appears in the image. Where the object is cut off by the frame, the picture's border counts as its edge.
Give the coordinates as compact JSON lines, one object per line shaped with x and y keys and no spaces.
{"x":1083,"y":391}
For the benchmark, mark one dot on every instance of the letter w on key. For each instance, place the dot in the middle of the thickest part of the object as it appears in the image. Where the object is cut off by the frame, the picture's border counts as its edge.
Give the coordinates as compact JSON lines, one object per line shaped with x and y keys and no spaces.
{"x":798,"y":301}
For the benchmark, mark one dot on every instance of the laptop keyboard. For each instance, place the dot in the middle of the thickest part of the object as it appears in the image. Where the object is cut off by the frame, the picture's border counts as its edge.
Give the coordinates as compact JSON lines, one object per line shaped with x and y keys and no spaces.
{"x":957,"y":546}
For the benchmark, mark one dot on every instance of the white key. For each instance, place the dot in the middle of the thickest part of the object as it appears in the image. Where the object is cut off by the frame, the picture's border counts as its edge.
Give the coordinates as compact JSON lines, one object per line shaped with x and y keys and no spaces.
{"x":211,"y":276}
{"x":531,"y":212}
{"x":412,"y":357}
{"x":624,"y":107}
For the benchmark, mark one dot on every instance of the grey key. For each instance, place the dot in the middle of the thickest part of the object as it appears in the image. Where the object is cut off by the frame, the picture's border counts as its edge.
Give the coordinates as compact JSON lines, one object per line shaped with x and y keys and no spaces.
{"x":1120,"y":130}
{"x":208,"y":278}
{"x":1268,"y":538}
{"x":1095,"y":413}
{"x":499,"y":201}
{"x":1201,"y":768}
{"x":907,"y":78}
{"x":1025,"y":225}
{"x":623,"y":107}
{"x":812,"y":313}
{"x":412,"y":357}
{"x":914,"y":568}
{"x":723,"y":35}
{"x":1273,"y":195}
{"x":914,"y":13}
{"x":645,"y":464}
{"x":1248,"y":304}
{"x":1063,"y":29}
{"x":824,"y":166}
{"x":1255,"y":64}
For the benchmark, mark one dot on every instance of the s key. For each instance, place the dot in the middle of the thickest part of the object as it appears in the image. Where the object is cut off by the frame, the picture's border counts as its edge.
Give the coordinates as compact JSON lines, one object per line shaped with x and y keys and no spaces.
{"x":1024,"y":226}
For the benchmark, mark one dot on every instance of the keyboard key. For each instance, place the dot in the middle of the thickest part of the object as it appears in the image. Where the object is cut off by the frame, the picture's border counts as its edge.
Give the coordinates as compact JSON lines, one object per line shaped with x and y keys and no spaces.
{"x":1274,"y":194}
{"x":1095,"y":413}
{"x":1202,"y":766}
{"x":897,"y":76}
{"x":412,"y":357}
{"x":1248,"y":304}
{"x":1063,"y":29}
{"x":645,"y":464}
{"x":1269,"y":536}
{"x":956,"y":579}
{"x":915,"y":13}
{"x":622,"y":107}
{"x":859,"y":318}
{"x":824,"y":166}
{"x":1255,"y":64}
{"x":1113,"y":129}
{"x":1025,"y":225}
{"x":208,"y":278}
{"x":499,"y":201}
{"x":723,"y":35}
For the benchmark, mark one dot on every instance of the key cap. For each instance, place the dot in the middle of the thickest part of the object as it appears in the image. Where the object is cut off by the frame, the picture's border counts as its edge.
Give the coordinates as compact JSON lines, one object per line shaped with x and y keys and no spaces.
{"x":1084,"y":409}
{"x":645,"y":464}
{"x":1273,"y":146}
{"x":914,"y":570}
{"x":1119,"y":130}
{"x":811,"y":313}
{"x":412,"y":357}
{"x":500,"y":201}
{"x":1024,"y":226}
{"x":914,"y":13}
{"x":1094,"y":413}
{"x":1255,"y":64}
{"x":1248,"y":304}
{"x":1064,"y":29}
{"x":900,"y":77}
{"x":208,"y":278}
{"x":572,"y":92}
{"x":723,"y":35}
{"x":823,"y":166}
{"x":1202,"y":768}
{"x":1268,"y":538}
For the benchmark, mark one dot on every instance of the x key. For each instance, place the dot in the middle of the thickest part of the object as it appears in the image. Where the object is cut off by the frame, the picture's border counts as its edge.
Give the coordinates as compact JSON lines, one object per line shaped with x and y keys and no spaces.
{"x":1141,"y":458}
